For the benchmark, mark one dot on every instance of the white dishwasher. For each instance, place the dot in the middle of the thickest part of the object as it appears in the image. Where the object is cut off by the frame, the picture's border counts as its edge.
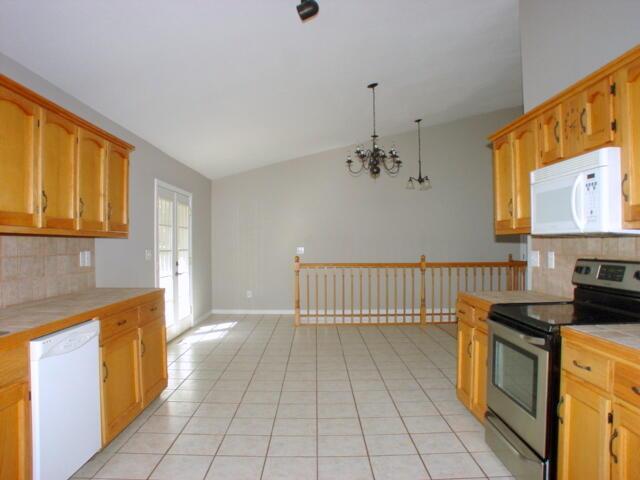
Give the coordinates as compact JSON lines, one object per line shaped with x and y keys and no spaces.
{"x":65,"y":400}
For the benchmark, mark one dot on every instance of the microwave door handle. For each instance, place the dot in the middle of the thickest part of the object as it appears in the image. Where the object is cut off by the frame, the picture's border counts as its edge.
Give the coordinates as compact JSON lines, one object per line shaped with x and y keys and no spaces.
{"x":574,"y":209}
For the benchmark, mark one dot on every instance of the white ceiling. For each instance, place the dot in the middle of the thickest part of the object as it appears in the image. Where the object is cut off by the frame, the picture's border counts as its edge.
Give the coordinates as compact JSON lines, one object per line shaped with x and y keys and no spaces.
{"x":230,"y":85}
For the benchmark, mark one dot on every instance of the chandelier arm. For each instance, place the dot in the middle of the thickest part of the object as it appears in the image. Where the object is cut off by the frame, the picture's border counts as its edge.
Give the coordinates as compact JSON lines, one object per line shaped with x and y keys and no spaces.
{"x":356,"y":172}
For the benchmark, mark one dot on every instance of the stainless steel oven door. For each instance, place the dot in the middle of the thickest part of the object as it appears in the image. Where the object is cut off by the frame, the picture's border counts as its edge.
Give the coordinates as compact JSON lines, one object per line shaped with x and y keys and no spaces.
{"x":517,"y":388}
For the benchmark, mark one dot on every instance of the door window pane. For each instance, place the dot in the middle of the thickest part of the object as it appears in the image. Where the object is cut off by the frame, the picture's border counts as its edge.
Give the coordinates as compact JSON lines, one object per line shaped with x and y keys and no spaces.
{"x":515,"y":372}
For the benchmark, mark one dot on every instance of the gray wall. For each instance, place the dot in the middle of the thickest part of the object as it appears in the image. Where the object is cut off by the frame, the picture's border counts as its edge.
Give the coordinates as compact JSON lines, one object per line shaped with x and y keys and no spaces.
{"x":121,"y":263}
{"x":565,"y":40}
{"x":259,"y":217}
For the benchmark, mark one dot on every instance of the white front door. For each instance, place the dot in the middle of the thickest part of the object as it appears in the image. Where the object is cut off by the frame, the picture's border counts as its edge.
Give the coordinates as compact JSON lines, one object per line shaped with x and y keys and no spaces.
{"x":173,"y":255}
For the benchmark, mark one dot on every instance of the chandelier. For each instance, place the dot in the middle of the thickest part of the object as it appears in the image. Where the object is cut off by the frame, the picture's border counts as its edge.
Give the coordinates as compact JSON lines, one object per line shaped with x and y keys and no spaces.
{"x":423,"y":182}
{"x":374,"y":159}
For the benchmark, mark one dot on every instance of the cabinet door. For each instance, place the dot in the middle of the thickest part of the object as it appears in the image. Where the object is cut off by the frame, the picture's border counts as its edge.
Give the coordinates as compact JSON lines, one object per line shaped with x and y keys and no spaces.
{"x":583,"y":443}
{"x":628,"y":85}
{"x":121,"y":396}
{"x":464,"y":362}
{"x":625,"y":443}
{"x":118,"y":189}
{"x":91,"y":181}
{"x":58,"y":163}
{"x":479,"y":351}
{"x":503,"y":185}
{"x":571,"y":131}
{"x":15,"y":429}
{"x":525,"y":160}
{"x":18,"y":152}
{"x":550,"y":135}
{"x":596,"y":115}
{"x":153,"y":358}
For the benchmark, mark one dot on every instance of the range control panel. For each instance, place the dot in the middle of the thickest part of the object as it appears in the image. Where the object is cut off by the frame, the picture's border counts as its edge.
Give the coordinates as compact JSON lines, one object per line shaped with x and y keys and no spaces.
{"x":621,"y":275}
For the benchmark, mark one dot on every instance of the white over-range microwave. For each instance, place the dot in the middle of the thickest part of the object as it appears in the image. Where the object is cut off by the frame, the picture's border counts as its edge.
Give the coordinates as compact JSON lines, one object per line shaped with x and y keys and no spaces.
{"x":582,"y":195}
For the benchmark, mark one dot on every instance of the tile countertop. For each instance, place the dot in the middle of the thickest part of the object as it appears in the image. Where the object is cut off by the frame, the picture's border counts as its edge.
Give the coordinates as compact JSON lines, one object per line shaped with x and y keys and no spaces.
{"x":36,"y":316}
{"x":625,"y":335}
{"x":484,"y":299}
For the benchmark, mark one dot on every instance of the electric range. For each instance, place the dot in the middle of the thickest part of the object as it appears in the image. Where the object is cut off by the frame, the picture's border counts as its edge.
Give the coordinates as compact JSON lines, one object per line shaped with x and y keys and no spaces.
{"x":523,"y":378}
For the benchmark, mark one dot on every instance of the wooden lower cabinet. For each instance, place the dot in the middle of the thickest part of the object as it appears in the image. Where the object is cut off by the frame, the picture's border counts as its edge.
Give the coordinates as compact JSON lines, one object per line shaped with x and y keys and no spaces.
{"x":15,"y":425}
{"x":625,"y":443}
{"x":464,"y":361}
{"x":121,"y":393}
{"x":153,"y":359}
{"x":583,"y":431}
{"x":471,"y":381}
{"x":480,"y":343}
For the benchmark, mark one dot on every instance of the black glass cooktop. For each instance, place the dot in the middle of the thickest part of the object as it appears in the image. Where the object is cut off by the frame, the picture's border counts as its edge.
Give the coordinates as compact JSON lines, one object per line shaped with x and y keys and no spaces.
{"x":549,"y":317}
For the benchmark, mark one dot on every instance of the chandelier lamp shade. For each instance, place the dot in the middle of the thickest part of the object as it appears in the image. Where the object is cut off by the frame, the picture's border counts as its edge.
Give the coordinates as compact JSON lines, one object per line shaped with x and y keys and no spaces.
{"x":374,"y":159}
{"x":423,"y":183}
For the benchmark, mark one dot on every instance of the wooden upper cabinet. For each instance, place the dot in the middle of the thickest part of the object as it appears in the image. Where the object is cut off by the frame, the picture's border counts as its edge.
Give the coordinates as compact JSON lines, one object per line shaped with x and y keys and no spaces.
{"x":58,"y":166}
{"x":584,"y":431}
{"x":628,"y":103}
{"x":117,"y":189}
{"x":92,"y":154}
{"x":503,"y":185}
{"x":550,"y":135}
{"x":15,"y":451}
{"x":18,"y":151}
{"x":625,"y":443}
{"x":525,"y":160}
{"x":596,"y":115}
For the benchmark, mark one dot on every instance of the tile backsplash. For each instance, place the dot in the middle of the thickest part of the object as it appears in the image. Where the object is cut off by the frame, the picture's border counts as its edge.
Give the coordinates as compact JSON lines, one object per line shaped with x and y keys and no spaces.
{"x":567,"y":250}
{"x":32,"y":268}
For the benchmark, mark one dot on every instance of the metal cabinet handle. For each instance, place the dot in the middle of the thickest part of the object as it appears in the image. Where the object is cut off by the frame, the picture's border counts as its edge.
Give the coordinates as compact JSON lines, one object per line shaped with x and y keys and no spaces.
{"x":45,"y":201}
{"x":625,"y":179}
{"x":469,"y":348}
{"x":558,"y":410}
{"x":121,"y":322}
{"x":153,"y":309}
{"x":511,"y":207}
{"x":556,"y":131}
{"x":635,"y":390}
{"x":106,"y":372}
{"x":583,"y":367}
{"x":109,"y":211}
{"x":462,"y":312}
{"x":614,"y":435}
{"x":582,"y":124}
{"x":81,"y":208}
{"x":144,"y":348}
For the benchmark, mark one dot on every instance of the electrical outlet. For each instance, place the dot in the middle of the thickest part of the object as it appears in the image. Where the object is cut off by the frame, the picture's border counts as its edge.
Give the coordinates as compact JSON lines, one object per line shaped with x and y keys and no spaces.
{"x":81,"y":259}
{"x":534,"y":258}
{"x":300,"y":250}
{"x":551,"y":259}
{"x":85,"y":258}
{"x":249,"y":294}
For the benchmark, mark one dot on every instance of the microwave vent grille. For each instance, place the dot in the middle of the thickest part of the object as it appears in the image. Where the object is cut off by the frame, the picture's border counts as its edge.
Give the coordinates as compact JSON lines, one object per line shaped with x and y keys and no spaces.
{"x":597,"y":158}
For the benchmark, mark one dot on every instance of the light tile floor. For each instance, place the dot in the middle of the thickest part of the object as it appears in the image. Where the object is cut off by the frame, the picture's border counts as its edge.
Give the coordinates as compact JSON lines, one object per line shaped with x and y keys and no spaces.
{"x":253,"y":398}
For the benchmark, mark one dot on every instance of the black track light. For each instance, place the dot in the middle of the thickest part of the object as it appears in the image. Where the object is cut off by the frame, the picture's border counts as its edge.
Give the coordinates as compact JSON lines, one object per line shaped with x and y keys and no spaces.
{"x":307,"y":9}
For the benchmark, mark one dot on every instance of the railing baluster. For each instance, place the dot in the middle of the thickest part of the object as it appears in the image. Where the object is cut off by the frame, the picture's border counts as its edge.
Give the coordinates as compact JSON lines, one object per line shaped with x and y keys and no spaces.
{"x":352,"y":302}
{"x":441,"y":302}
{"x":433,"y":294}
{"x":395,"y":296}
{"x":361,"y":308}
{"x":386,"y":291}
{"x":335,"y":311}
{"x":369,"y":292}
{"x":344,"y":300}
{"x":308,"y":297}
{"x":449,"y":295}
{"x":378,"y":292}
{"x":413,"y":295}
{"x":325,"y":294}
{"x":404,"y":295}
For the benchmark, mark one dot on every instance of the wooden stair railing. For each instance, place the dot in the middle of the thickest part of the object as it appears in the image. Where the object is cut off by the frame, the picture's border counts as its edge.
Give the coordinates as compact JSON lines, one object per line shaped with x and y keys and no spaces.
{"x":394,"y":293}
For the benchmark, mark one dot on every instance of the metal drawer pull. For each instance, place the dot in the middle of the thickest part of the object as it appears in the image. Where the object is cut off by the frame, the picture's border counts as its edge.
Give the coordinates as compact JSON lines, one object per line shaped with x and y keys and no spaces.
{"x":583,"y":367}
{"x":558,"y":410}
{"x":614,"y":435}
{"x":469,"y":348}
{"x":635,"y":390}
{"x":121,"y":322}
{"x":106,"y":372}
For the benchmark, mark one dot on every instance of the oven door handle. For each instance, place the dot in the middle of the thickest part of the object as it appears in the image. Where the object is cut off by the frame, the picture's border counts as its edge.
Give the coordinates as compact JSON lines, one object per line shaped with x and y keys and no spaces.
{"x":538,"y":341}
{"x":524,"y":455}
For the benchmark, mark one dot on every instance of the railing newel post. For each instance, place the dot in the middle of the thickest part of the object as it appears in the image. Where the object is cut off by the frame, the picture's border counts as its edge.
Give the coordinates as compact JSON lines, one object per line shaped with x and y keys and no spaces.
{"x":296,"y":305}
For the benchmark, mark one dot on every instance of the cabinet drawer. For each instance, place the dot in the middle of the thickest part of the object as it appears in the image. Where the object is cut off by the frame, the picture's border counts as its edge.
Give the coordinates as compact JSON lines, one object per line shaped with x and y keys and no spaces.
{"x":587,"y":365}
{"x":626,"y":383}
{"x":152,"y":310}
{"x":464,"y":312}
{"x":118,"y":323}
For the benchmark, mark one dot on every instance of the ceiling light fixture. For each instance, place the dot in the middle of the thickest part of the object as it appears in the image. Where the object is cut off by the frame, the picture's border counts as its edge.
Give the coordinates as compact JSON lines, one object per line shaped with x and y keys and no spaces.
{"x":375,"y":158}
{"x":423,"y":182}
{"x":307,"y":9}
